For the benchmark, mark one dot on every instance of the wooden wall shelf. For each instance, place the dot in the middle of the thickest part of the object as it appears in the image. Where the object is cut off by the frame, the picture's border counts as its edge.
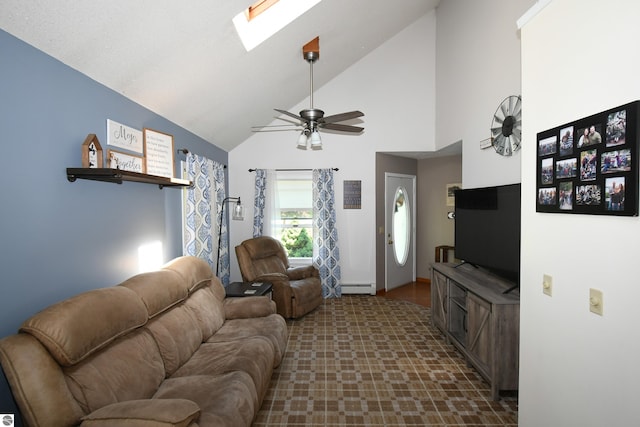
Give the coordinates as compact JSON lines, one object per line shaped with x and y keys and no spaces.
{"x":118,"y":176}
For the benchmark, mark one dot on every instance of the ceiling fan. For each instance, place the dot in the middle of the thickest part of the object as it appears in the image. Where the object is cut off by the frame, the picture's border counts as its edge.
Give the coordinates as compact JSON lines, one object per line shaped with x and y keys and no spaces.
{"x":312,"y":119}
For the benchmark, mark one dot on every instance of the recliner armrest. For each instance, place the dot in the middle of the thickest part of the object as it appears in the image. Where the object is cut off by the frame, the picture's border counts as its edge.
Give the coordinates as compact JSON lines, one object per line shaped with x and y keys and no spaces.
{"x":145,"y":412}
{"x":248,"y":307}
{"x":299,"y":273}
{"x":272,"y":277}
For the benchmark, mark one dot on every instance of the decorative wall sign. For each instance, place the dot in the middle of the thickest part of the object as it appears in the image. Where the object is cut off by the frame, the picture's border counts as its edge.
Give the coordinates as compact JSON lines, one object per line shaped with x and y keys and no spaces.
{"x":352,"y":195}
{"x":92,"y":152}
{"x":451,"y":196}
{"x":158,"y":148}
{"x":119,"y":135}
{"x":123,"y":161}
{"x":590,"y":166}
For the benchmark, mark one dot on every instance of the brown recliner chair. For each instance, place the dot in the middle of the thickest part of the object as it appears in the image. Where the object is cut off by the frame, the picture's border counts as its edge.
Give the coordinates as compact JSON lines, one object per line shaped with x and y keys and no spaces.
{"x":296,"y":291}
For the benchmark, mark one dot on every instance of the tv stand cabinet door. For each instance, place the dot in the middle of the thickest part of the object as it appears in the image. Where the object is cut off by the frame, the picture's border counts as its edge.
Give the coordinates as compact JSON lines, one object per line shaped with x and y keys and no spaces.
{"x":439,"y":300}
{"x":480,"y":335}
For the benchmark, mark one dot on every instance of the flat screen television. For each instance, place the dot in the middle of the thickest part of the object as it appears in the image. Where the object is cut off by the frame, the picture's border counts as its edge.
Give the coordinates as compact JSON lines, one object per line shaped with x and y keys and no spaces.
{"x":487,"y":229}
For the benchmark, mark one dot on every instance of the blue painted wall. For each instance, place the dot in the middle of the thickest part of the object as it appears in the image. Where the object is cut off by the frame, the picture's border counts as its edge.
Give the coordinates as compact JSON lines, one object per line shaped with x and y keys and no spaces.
{"x":60,"y":238}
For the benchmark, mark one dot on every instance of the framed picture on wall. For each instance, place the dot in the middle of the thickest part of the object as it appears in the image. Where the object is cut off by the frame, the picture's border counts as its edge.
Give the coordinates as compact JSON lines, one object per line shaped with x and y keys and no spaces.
{"x":158,"y":149}
{"x":590,"y":166}
{"x":451,"y":191}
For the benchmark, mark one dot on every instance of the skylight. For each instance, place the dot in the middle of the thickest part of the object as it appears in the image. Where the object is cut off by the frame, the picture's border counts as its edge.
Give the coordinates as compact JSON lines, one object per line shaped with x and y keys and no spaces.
{"x":254,"y":28}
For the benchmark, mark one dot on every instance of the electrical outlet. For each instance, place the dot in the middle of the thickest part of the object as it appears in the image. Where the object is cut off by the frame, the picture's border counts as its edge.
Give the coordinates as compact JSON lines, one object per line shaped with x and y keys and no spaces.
{"x":595,"y":301}
{"x":547,"y":284}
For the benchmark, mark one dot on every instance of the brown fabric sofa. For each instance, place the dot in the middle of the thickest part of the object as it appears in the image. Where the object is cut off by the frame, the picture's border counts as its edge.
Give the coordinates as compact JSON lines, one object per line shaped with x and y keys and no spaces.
{"x":164,"y":348}
{"x":296,"y":291}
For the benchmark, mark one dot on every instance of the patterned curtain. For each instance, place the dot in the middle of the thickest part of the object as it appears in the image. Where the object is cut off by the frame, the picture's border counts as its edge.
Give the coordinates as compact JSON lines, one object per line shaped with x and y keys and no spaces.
{"x":203,"y":202}
{"x":259,"y":202}
{"x":326,"y":255}
{"x":266,"y":205}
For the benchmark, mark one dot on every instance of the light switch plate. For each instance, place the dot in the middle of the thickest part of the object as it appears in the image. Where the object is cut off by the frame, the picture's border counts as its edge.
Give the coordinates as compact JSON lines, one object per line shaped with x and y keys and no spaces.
{"x":595,"y":301}
{"x":547,"y":284}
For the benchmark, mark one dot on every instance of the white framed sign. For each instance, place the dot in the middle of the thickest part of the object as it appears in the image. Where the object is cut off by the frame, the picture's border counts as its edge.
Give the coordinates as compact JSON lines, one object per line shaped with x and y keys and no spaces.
{"x":121,"y":136}
{"x":158,"y":148}
{"x":125,"y":162}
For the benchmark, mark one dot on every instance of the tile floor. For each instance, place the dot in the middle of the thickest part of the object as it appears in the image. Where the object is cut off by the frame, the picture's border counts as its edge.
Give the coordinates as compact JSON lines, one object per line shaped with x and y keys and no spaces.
{"x":376,"y":361}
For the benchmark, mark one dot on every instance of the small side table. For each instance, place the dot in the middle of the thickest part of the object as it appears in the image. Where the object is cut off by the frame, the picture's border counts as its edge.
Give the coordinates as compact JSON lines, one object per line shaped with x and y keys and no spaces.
{"x":247,"y":289}
{"x":444,"y":250}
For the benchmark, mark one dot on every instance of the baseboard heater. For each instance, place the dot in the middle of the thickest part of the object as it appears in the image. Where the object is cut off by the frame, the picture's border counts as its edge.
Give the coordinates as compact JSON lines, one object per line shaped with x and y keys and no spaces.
{"x":358,"y":288}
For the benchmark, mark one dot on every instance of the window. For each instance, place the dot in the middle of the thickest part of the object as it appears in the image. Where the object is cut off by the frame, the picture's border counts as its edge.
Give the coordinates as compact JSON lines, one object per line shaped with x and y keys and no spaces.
{"x":258,"y":7}
{"x":264,"y":18}
{"x":294,"y":215}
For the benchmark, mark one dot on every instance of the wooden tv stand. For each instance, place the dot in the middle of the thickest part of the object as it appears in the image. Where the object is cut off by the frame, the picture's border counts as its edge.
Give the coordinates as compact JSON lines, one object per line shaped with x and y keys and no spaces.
{"x":469,"y":306}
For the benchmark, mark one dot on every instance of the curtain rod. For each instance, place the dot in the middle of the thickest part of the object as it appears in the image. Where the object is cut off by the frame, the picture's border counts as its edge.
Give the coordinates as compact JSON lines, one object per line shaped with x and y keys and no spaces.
{"x":293,"y":170}
{"x":186,"y":151}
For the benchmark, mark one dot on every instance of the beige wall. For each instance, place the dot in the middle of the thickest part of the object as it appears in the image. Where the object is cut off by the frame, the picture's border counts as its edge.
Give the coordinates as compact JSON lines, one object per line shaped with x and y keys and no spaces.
{"x":578,"y":368}
{"x":434,"y":229}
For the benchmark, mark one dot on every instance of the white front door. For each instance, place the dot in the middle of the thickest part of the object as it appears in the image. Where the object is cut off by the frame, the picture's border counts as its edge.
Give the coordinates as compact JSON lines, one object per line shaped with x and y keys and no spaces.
{"x":400,"y":230}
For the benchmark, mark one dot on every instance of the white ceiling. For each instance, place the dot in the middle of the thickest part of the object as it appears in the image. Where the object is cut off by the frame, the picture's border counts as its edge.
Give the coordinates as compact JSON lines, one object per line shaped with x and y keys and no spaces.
{"x":184,"y":61}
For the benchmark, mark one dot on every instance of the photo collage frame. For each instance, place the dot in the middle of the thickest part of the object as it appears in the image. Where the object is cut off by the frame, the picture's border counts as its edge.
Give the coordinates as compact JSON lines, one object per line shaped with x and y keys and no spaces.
{"x":590,"y":166}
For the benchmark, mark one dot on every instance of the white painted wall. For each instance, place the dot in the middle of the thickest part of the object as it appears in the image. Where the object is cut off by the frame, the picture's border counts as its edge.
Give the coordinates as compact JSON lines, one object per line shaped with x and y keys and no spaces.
{"x":576,"y":368}
{"x":478,"y":66}
{"x":395,"y":87}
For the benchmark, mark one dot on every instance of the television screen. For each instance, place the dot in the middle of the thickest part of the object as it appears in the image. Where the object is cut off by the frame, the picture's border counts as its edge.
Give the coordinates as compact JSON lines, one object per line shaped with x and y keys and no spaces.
{"x":487,"y":228}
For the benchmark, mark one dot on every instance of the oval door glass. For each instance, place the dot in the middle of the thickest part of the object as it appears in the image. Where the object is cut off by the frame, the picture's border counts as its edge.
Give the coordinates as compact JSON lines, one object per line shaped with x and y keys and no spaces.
{"x":401,"y":226}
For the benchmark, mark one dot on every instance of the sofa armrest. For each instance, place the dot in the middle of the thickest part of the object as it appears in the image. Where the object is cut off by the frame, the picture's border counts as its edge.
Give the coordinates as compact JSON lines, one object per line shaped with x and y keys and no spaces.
{"x":248,"y":307}
{"x":299,"y":273}
{"x":145,"y":413}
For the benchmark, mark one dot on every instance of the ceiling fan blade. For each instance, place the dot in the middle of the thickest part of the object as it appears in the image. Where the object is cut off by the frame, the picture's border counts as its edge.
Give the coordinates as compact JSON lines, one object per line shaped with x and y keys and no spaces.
{"x":342,"y":116}
{"x":275,"y":128}
{"x":341,"y":128}
{"x":295,"y":116}
{"x":272,"y":130}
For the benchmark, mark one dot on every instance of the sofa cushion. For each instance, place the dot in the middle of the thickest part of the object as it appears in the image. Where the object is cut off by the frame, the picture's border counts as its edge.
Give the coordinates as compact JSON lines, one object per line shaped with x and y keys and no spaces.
{"x":253,"y":355}
{"x":207,"y":309}
{"x":37,"y":383}
{"x":177,"y":334}
{"x":195,"y":272}
{"x":144,"y":413}
{"x":130,"y":368}
{"x":74,"y":328}
{"x":225,"y":400}
{"x":159,"y":290}
{"x":272,"y":327}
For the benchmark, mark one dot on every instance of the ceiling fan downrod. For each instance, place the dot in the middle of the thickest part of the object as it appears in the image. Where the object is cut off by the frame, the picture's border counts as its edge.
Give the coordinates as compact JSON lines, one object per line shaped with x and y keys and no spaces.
{"x":311,"y":57}
{"x":312,"y":115}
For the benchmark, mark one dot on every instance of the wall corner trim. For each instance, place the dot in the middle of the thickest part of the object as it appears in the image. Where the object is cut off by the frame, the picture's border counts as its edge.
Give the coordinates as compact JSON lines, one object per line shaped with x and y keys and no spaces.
{"x":531,"y":13}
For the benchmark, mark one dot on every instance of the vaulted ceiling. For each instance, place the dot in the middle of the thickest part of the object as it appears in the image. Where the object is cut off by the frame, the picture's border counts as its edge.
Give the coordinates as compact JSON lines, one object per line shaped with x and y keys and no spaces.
{"x":184,"y":60}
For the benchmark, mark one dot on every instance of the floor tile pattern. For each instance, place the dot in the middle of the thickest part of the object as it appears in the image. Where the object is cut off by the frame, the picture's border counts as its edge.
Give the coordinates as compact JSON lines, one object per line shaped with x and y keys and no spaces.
{"x":371,"y":361}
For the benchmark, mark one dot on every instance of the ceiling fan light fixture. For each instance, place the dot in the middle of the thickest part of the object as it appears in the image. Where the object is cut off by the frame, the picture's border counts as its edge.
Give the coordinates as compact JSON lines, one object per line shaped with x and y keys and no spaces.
{"x":302,"y":141}
{"x":316,"y":142}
